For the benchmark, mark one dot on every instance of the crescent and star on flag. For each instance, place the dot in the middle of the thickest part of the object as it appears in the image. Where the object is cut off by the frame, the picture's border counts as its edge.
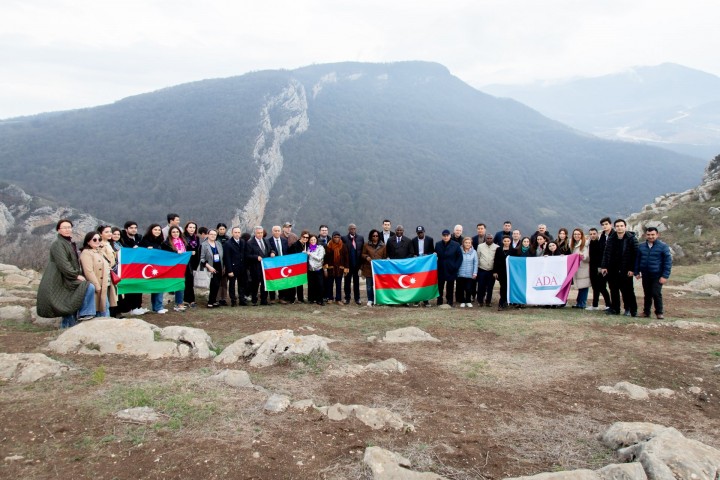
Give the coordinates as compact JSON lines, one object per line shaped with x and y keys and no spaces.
{"x":402,"y":277}
{"x":285,"y":272}
{"x":153,"y":273}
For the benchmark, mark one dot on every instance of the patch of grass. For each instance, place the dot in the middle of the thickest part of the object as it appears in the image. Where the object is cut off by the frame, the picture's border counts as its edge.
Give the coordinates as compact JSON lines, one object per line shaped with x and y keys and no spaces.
{"x":314,"y":363}
{"x":475,"y":369}
{"x":157,"y":336}
{"x":25,"y":327}
{"x":715,"y":353}
{"x":98,"y":375}
{"x":92,"y":346}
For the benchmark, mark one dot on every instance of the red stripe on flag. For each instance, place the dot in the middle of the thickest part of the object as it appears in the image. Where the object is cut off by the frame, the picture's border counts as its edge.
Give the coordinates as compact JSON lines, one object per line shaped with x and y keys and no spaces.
{"x":409,"y":280}
{"x":148,"y":272}
{"x":290,"y":271}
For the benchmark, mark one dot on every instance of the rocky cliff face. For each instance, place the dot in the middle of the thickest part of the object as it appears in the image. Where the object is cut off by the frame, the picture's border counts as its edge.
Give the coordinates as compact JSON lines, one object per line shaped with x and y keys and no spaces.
{"x":689,"y":221}
{"x":27,"y":223}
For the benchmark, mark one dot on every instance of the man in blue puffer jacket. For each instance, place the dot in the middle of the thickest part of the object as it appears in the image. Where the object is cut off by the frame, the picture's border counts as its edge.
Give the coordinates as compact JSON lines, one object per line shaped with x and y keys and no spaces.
{"x":653,"y":264}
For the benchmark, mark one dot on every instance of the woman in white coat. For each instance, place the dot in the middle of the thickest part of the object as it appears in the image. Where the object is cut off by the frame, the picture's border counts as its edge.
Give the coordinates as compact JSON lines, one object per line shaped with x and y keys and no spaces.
{"x":582,"y":276}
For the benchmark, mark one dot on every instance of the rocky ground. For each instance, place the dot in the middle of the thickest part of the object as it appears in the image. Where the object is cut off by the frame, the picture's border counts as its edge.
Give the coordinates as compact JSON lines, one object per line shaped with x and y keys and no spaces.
{"x":500,"y":394}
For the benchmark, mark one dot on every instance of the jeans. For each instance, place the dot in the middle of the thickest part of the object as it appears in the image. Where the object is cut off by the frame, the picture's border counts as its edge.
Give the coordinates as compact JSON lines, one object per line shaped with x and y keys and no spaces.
{"x":179,"y":297}
{"x":582,"y":297}
{"x":369,"y":289}
{"x":86,"y":309}
{"x":156,"y":300}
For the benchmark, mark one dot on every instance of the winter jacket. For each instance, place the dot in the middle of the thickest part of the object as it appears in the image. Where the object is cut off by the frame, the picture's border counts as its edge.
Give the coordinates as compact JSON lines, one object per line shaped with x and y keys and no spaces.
{"x":620,"y":253}
{"x":486,"y":256}
{"x":97,"y":271}
{"x":655,"y":261}
{"x":582,"y":276}
{"x":60,"y":292}
{"x":369,"y":253}
{"x":469,"y":265}
{"x":449,"y":259}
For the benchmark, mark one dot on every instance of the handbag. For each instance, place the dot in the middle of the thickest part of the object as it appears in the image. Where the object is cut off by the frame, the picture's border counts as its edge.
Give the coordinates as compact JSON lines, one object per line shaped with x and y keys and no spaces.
{"x":114,"y":277}
{"x":201,"y":279}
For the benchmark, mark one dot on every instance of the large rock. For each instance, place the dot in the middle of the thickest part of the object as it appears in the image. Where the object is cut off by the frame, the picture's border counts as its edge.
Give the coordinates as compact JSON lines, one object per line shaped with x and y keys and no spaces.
{"x":703,"y":282}
{"x":387,"y":465}
{"x":29,"y":367}
{"x":627,"y":471}
{"x":664,"y":453}
{"x":132,"y":336}
{"x":15,"y":313}
{"x":265,"y":348}
{"x":233,"y":378}
{"x":408,"y":335}
{"x":636,"y":392}
{"x":375,"y":418}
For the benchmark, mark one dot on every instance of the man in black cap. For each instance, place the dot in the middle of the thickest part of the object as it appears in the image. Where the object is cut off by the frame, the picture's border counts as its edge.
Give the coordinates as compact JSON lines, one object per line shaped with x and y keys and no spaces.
{"x":423,"y":245}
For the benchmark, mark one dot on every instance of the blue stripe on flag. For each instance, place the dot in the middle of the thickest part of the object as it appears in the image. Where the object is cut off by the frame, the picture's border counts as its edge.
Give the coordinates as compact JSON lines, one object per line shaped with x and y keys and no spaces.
{"x":284,"y":260}
{"x":153,"y":256}
{"x":517,"y":279}
{"x":425,"y":263}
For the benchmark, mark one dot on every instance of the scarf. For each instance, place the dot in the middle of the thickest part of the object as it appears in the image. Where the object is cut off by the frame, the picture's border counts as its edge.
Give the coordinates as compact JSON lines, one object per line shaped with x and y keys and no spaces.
{"x":336,"y":249}
{"x":524,"y":249}
{"x":312,"y":248}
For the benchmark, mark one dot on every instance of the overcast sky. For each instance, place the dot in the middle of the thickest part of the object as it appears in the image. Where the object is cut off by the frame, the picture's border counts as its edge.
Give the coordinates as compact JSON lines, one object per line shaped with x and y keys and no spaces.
{"x":63,"y":54}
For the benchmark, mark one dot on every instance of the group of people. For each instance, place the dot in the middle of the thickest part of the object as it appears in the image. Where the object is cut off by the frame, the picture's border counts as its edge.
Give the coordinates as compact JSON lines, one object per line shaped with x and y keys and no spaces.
{"x":78,"y":283}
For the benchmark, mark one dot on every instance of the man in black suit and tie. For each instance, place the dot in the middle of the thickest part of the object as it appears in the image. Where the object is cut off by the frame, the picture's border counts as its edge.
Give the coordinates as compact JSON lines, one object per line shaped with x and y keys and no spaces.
{"x":399,"y":246}
{"x":256,"y":249}
{"x":234,"y":261}
{"x":354,"y":244}
{"x":423,"y":245}
{"x":279,"y":247}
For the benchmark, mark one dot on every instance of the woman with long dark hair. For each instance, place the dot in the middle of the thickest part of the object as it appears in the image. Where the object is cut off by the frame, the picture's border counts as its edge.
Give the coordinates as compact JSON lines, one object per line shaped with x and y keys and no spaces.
{"x":97,"y":271}
{"x":563,"y":242}
{"x":499,"y":269}
{"x":581,"y":279}
{"x":153,"y":239}
{"x":374,"y":249}
{"x":176,"y":243}
{"x":316,"y":260}
{"x":193,"y":246}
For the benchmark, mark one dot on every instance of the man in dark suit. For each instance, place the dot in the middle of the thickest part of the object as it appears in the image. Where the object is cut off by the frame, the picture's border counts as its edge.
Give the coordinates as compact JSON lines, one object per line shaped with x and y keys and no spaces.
{"x":256,"y":249}
{"x":279,"y":246}
{"x":399,"y":246}
{"x":234,"y":261}
{"x":423,"y":245}
{"x":354,"y":244}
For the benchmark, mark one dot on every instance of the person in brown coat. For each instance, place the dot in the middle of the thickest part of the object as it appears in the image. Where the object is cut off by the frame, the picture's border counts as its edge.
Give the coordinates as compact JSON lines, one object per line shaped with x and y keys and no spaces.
{"x":337,"y":264}
{"x":96,"y":269}
{"x":374,"y":249}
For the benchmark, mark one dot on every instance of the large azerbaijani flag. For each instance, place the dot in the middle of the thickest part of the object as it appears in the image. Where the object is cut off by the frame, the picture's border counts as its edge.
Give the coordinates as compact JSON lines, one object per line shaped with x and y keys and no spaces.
{"x":405,"y":281}
{"x":540,"y":280}
{"x":145,"y":270}
{"x":285,"y":271}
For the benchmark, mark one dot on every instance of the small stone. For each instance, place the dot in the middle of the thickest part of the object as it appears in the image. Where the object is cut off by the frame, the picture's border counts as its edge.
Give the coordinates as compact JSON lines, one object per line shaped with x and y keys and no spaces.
{"x":256,"y":455}
{"x":14,"y":458}
{"x":138,"y":415}
{"x":695,"y":390}
{"x":277,"y":403}
{"x":303,"y":404}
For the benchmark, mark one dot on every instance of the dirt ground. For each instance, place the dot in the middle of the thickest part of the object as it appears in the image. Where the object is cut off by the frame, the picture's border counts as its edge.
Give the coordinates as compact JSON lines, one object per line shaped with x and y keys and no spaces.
{"x":503,"y":394}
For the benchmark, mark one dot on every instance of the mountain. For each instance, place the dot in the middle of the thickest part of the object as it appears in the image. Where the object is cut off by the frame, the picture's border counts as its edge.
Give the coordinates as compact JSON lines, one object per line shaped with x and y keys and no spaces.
{"x":334,"y":144}
{"x":688,"y":221}
{"x":667,"y":105}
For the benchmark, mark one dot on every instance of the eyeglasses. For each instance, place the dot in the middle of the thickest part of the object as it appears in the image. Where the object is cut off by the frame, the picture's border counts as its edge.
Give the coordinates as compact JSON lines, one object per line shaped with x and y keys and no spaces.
{"x":95,"y":240}
{"x":305,"y":237}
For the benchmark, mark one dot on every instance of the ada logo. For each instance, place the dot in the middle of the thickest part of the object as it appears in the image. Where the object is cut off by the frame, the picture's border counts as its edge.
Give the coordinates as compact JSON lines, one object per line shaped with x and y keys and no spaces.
{"x":546,"y":282}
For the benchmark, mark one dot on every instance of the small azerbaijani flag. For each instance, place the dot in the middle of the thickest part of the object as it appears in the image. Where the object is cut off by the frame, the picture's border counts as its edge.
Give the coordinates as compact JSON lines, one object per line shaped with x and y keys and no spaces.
{"x":145,"y":270}
{"x":540,"y":280}
{"x":405,"y":281}
{"x":285,"y":271}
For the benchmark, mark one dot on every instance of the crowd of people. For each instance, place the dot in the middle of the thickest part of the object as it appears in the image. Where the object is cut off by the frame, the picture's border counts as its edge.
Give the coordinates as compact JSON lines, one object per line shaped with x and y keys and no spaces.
{"x":78,"y":283}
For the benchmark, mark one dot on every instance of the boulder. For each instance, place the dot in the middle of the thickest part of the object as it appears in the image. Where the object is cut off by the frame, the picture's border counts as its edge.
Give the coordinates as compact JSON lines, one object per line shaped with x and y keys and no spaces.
{"x":234,"y":378}
{"x":199,"y":342}
{"x":387,"y":465}
{"x":385,"y":366}
{"x":408,"y":335}
{"x":29,"y":367}
{"x":636,"y":392}
{"x":14,"y":313}
{"x":37,"y":320}
{"x":657,"y":224}
{"x":628,"y":471}
{"x":128,"y":336}
{"x":709,"y":280}
{"x":266,"y":348}
{"x":375,"y":418}
{"x":664,"y":452}
{"x":303,"y":404}
{"x":277,"y":403}
{"x":15,"y":279}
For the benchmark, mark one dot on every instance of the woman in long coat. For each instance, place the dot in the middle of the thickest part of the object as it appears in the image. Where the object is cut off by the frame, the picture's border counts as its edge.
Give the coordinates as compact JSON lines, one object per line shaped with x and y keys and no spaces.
{"x":582,"y":276}
{"x":337,"y":264}
{"x":97,"y":271}
{"x":63,"y":289}
{"x":374,"y":249}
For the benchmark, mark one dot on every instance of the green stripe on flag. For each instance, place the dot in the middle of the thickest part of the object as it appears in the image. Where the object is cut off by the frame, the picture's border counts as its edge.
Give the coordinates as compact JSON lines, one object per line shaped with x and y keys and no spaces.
{"x":283,"y":283}
{"x":155,"y":285}
{"x":394,"y":296}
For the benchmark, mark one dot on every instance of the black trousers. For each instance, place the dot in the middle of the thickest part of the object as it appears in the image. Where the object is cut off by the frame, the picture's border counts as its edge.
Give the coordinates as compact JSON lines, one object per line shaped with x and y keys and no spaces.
{"x":621,"y":284}
{"x":189,"y":295}
{"x":237,"y":281}
{"x":214,"y":284}
{"x":256,"y":281}
{"x":652,"y":288}
{"x":599,"y":287}
{"x":503,"y":291}
{"x":485,"y":285}
{"x":353,"y":277}
{"x":465,"y":289}
{"x":450,"y":288}
{"x":316,"y":286}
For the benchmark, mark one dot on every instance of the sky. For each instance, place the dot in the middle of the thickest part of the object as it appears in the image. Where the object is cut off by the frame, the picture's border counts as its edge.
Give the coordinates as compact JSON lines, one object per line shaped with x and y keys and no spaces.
{"x":66,"y":54}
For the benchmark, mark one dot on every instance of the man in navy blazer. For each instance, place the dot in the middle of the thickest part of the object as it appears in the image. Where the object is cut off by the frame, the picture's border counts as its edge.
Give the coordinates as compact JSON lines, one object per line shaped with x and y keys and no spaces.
{"x":234,"y":261}
{"x":256,"y":249}
{"x":354,"y":244}
{"x":279,"y":246}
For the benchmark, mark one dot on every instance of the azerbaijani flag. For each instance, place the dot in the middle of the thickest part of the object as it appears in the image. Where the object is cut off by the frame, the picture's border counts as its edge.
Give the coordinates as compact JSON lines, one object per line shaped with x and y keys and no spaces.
{"x":405,"y":281}
{"x":145,"y":270}
{"x":540,"y":280}
{"x":285,"y":271}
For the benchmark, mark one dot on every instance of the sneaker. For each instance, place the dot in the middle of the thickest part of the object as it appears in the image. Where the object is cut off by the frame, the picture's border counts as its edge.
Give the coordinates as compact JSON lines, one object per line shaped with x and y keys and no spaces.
{"x":462,"y":305}
{"x":162,"y":310}
{"x":469,"y":305}
{"x":144,"y":310}
{"x":178,"y":308}
{"x":137,"y":311}
{"x":85,"y":318}
{"x":369,"y":303}
{"x":591,"y":308}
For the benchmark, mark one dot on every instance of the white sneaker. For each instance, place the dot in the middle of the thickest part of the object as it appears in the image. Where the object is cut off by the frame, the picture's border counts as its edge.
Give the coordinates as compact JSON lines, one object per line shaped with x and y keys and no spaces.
{"x":469,"y":305}
{"x":143,"y":310}
{"x":591,"y":308}
{"x":137,"y":311}
{"x":162,"y":310}
{"x":369,"y":303}
{"x":462,"y":305}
